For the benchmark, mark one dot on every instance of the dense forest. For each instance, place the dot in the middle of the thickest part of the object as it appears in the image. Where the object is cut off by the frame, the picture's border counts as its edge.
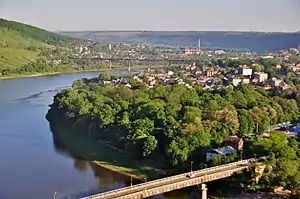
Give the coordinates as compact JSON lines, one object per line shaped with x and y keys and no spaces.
{"x":173,"y":125}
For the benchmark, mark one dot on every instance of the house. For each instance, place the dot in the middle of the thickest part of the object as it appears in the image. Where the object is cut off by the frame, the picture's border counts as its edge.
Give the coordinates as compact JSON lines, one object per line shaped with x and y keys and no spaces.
{"x":223,"y":151}
{"x":235,"y":142}
{"x":261,"y":76}
{"x":276,"y":82}
{"x":219,"y":52}
{"x":297,"y":67}
{"x":170,"y":73}
{"x":209,"y":72}
{"x":284,"y":86}
{"x":246,"y":71}
{"x":267,"y":87}
{"x":236,"y":81}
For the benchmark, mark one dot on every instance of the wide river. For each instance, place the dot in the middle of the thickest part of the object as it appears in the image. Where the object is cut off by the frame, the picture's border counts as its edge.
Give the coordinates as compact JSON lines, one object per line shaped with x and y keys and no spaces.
{"x":31,"y":165}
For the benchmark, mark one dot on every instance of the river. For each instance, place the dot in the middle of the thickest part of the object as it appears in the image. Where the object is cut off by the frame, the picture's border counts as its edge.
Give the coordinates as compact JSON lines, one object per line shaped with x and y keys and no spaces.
{"x":32,"y":164}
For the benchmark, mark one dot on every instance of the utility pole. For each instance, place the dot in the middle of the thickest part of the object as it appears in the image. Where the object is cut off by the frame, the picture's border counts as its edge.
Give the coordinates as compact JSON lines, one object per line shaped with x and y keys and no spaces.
{"x":256,"y":127}
{"x":241,"y":155}
{"x":192,"y":166}
{"x":109,"y":53}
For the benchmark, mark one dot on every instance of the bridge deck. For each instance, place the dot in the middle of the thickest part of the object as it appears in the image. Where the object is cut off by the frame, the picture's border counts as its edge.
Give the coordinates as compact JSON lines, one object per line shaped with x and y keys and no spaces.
{"x":174,"y":182}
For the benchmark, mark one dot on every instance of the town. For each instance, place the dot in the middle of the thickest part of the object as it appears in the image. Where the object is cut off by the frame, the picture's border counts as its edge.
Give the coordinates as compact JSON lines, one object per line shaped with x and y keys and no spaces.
{"x":273,"y":71}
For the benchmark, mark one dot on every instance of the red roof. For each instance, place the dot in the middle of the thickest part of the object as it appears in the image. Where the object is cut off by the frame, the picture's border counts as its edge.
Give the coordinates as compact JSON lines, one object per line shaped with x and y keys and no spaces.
{"x":235,"y":139}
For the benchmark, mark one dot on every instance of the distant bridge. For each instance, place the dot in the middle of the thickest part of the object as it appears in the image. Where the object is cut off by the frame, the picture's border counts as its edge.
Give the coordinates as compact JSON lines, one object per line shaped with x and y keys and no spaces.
{"x":160,"y":186}
{"x":115,"y":59}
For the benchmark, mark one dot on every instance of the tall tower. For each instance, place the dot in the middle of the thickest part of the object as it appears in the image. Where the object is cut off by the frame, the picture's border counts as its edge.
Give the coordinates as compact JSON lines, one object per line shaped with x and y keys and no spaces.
{"x":199,"y":44}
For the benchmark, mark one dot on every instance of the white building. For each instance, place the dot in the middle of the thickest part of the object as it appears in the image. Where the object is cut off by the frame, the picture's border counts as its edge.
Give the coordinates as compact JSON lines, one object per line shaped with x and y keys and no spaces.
{"x":236,"y":81}
{"x":247,"y":71}
{"x":170,"y":73}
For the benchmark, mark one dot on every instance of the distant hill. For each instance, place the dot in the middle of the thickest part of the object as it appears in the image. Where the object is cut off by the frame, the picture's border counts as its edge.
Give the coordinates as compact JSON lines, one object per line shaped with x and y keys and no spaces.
{"x":253,"y":41}
{"x":20,"y":43}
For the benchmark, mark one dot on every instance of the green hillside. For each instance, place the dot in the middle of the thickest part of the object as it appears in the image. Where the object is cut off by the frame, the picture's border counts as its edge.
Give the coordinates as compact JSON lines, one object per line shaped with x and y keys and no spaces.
{"x":21,"y":44}
{"x":30,"y":32}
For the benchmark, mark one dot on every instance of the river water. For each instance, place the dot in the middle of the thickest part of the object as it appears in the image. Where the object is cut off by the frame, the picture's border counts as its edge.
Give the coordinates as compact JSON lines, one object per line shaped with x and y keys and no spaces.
{"x":32,"y":164}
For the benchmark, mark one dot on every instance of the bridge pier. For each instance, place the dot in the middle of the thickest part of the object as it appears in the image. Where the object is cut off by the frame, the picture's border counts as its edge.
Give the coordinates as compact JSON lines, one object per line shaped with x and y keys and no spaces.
{"x":129,"y":66}
{"x":204,"y":191}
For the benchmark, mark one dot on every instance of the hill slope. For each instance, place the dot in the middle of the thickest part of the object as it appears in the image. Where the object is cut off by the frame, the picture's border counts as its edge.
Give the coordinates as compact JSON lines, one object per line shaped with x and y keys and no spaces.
{"x":21,"y":44}
{"x":254,"y":41}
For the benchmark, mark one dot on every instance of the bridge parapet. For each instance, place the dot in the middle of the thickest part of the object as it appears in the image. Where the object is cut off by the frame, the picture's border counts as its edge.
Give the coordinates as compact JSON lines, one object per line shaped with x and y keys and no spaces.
{"x":139,"y":186}
{"x":182,"y":184}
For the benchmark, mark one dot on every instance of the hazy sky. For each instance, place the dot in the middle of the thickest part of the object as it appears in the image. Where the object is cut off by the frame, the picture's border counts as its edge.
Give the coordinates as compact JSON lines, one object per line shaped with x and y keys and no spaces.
{"x":261,"y":15}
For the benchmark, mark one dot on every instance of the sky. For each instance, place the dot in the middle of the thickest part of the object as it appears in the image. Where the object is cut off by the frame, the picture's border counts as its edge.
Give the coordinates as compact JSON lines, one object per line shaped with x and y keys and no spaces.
{"x":93,"y":15}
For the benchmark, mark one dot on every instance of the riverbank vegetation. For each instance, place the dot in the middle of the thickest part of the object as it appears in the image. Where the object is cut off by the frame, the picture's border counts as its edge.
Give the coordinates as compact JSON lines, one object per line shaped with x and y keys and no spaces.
{"x":169,"y":126}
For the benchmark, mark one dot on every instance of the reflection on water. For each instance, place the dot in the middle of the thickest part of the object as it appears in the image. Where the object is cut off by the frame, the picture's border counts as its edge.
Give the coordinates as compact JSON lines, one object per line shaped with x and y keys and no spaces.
{"x":105,"y":179}
{"x":108,"y":180}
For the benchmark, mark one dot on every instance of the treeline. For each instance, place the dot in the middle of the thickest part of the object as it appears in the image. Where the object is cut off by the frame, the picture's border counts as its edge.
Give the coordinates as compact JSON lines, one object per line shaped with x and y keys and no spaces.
{"x":174,"y":125}
{"x":35,"y":33}
{"x":173,"y":120}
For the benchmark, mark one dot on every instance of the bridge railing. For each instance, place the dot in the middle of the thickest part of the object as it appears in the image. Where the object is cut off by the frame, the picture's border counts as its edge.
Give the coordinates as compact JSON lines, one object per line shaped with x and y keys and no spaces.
{"x":170,"y":178}
{"x":184,"y":183}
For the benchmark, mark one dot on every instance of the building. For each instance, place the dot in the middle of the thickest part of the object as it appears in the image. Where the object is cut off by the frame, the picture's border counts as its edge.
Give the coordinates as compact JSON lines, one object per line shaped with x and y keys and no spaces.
{"x":188,"y":51}
{"x":237,"y":81}
{"x":262,"y":77}
{"x":219,"y":52}
{"x":235,"y":142}
{"x":223,"y":151}
{"x":297,"y":67}
{"x":209,"y":71}
{"x":276,"y":82}
{"x":246,"y":71}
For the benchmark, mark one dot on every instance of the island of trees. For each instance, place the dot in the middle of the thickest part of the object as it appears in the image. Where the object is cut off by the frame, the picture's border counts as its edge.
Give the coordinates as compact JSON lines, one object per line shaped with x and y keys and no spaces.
{"x":169,"y":126}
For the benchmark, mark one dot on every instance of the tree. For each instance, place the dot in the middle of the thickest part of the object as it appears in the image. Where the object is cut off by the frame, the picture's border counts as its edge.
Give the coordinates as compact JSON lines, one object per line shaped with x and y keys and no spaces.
{"x":105,"y":76}
{"x":149,"y":145}
{"x":246,"y":122}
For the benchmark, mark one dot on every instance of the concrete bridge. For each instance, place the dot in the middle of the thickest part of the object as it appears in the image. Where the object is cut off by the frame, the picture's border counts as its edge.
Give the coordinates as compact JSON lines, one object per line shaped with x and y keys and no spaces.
{"x":116,"y":59}
{"x":180,"y":181}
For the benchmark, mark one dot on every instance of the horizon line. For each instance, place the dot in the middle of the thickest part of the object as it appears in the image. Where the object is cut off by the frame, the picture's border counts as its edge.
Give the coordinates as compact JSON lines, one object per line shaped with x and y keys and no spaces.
{"x":140,"y":31}
{"x":145,"y":30}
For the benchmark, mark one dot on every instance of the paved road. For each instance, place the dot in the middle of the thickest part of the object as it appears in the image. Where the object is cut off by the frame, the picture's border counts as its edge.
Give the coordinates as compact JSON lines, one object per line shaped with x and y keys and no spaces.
{"x":167,"y":181}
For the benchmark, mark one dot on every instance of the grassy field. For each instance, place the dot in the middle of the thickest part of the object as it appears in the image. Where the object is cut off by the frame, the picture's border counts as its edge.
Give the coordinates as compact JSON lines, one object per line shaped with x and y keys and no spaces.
{"x":105,"y":156}
{"x":13,"y":57}
{"x":13,"y":49}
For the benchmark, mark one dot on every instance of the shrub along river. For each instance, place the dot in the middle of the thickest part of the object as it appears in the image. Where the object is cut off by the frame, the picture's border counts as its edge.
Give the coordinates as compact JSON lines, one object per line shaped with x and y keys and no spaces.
{"x":33,"y":165}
